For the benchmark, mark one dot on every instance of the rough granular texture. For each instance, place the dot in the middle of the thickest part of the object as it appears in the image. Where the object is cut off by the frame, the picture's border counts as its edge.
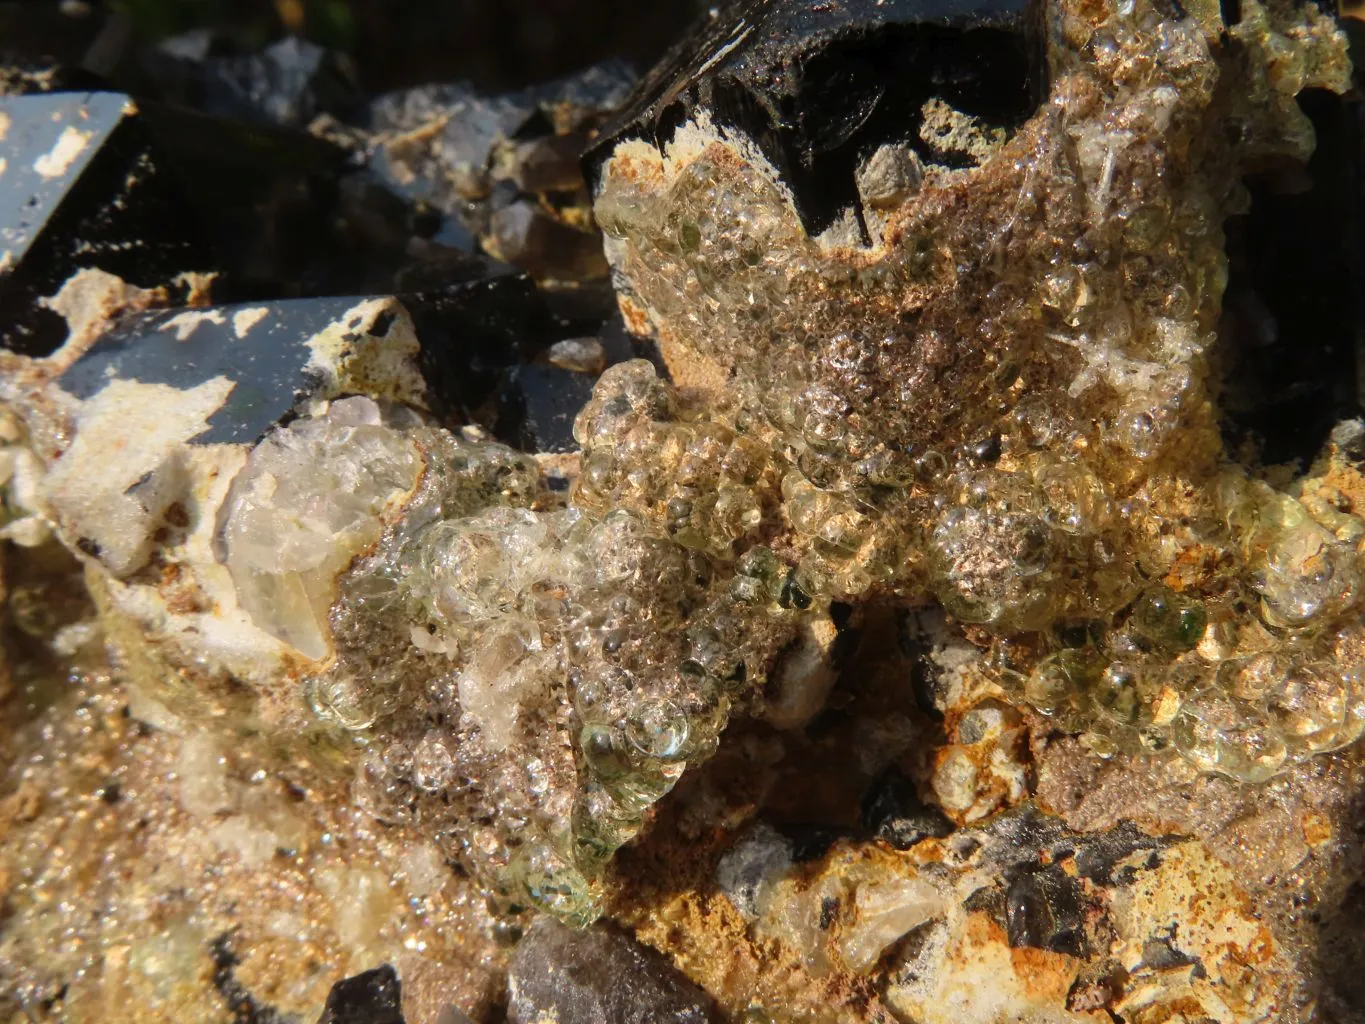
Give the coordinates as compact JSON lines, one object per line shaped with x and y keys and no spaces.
{"x":1005,"y":405}
{"x":184,"y":872}
{"x":979,"y":407}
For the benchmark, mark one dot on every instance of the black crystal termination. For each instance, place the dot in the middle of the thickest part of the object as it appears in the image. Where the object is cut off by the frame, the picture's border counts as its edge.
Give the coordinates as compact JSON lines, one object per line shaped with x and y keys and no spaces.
{"x":82,"y":185}
{"x":472,"y":333}
{"x":818,"y":87}
{"x":373,"y":997}
{"x":893,"y":812}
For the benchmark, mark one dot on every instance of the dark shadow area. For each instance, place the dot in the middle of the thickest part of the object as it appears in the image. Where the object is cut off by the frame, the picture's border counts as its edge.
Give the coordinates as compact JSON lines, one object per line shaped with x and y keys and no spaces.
{"x":1291,"y":313}
{"x":1339,"y":917}
{"x":391,"y":45}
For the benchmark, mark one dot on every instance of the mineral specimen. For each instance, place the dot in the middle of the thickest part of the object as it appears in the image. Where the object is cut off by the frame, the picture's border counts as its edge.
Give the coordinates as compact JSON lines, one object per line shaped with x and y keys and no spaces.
{"x":369,"y":998}
{"x":993,"y":408}
{"x":82,"y":185}
{"x":931,"y":516}
{"x":276,"y":355}
{"x":995,"y":403}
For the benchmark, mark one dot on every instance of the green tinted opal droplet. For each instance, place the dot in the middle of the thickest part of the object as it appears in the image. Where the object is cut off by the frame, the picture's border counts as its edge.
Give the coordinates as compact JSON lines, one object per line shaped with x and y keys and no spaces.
{"x":689,"y":236}
{"x":1190,"y":626}
{"x":658,"y":729}
{"x":1169,"y":620}
{"x":603,"y":752}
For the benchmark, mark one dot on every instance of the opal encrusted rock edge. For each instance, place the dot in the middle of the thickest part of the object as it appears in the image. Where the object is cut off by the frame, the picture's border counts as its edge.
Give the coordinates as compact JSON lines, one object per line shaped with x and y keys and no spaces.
{"x":1005,"y":405}
{"x":983,"y":395}
{"x":1007,"y":402}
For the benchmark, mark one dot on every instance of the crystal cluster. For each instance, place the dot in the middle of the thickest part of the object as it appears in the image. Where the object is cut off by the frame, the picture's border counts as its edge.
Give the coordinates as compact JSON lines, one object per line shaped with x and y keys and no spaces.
{"x":996,"y":397}
{"x":530,"y":677}
{"x":1006,"y":404}
{"x":309,"y":499}
{"x":1003,"y":407}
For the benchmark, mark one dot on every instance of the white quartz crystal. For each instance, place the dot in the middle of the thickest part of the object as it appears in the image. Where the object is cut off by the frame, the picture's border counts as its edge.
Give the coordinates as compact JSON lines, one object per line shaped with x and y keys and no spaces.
{"x":312,"y":497}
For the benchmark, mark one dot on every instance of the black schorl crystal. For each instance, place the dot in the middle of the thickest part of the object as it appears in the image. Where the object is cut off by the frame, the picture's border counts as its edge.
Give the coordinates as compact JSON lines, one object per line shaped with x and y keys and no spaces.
{"x":83,"y":185}
{"x":374,"y":997}
{"x":149,"y":191}
{"x":597,"y":976}
{"x":472,"y":333}
{"x":279,"y":206}
{"x":473,"y":339}
{"x":820,"y":86}
{"x":57,"y":47}
{"x":893,"y":812}
{"x":538,"y":406}
{"x":269,"y":351}
{"x":1294,"y":311}
{"x":1046,"y":909}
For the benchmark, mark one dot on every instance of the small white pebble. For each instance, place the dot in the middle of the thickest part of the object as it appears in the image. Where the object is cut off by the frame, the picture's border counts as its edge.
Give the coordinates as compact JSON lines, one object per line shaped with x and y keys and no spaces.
{"x":582,"y":355}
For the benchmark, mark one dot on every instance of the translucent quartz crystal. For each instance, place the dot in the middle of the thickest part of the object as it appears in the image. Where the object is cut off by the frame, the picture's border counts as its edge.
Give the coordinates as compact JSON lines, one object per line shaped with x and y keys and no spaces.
{"x":310,"y":499}
{"x":528,"y":679}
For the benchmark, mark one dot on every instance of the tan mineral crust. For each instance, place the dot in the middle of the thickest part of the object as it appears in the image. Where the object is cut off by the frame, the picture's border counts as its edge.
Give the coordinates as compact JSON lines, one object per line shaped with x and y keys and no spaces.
{"x":950,"y":508}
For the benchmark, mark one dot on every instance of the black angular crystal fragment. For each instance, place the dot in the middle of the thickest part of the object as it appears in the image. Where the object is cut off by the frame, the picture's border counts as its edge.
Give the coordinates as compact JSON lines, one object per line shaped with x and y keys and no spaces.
{"x":1046,"y":909}
{"x":472,"y":333}
{"x":811,"y":842}
{"x":276,"y":355}
{"x":1293,"y":327}
{"x":281,"y":207}
{"x":893,"y":812}
{"x":620,"y":344}
{"x":598,"y":975}
{"x":538,"y":406}
{"x":53,"y":47}
{"x":820,"y":86}
{"x":374,"y":997}
{"x":82,"y":185}
{"x":915,"y":638}
{"x":1099,"y":855}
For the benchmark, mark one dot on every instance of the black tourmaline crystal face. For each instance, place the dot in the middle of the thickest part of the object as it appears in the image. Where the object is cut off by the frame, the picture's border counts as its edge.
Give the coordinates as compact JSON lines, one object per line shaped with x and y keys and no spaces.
{"x":277,"y":354}
{"x":819,"y":87}
{"x":81,"y":185}
{"x":372,"y":997}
